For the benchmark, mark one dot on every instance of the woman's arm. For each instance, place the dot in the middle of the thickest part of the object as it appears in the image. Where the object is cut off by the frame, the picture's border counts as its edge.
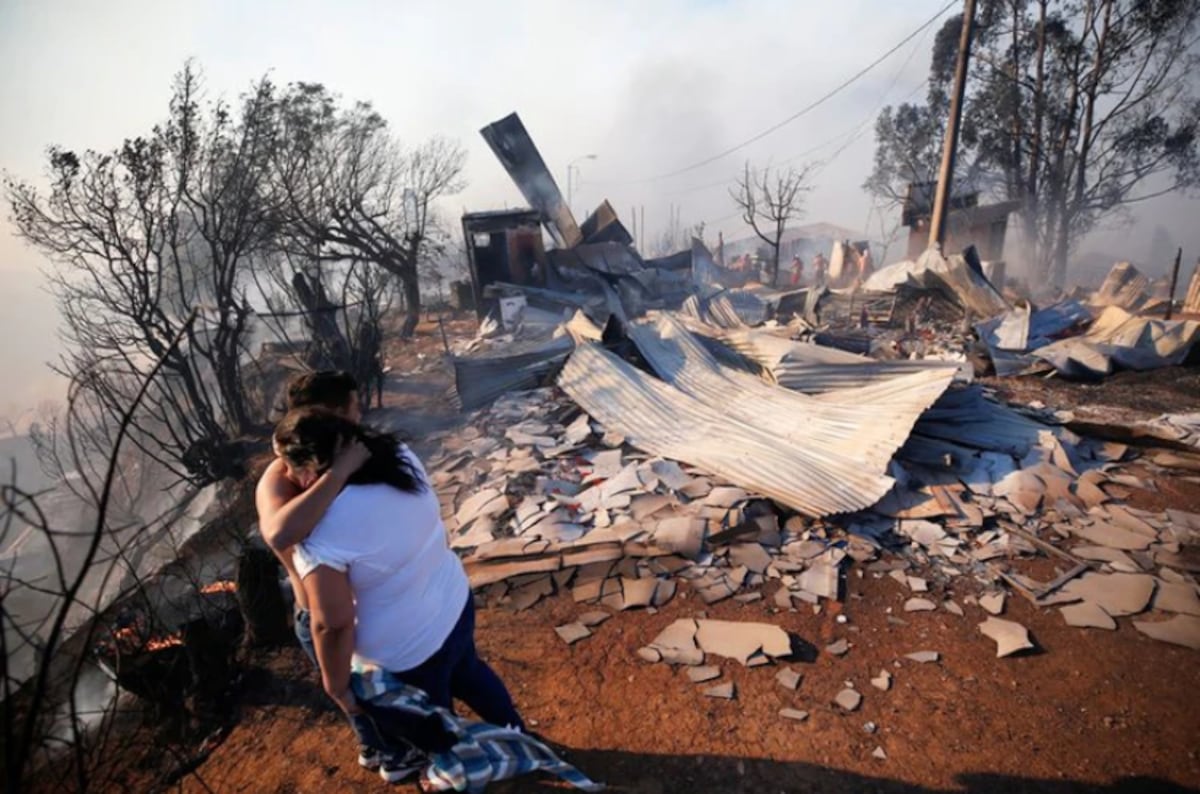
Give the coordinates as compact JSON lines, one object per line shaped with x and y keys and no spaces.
{"x":287,"y":515}
{"x":332,"y":603}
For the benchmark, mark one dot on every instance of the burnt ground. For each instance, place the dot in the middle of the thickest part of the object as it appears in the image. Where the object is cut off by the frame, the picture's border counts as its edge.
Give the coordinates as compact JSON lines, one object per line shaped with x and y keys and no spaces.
{"x":1089,"y":711}
{"x":1127,"y":394}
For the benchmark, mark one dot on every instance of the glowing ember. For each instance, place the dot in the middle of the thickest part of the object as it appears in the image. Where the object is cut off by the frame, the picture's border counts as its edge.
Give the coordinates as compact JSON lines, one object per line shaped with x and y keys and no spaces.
{"x":225,"y":586}
{"x":127,"y":634}
{"x":159,"y":643}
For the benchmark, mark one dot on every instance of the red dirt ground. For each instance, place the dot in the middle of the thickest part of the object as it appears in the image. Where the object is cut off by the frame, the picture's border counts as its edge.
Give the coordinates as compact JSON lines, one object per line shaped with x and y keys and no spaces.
{"x":1090,"y":711}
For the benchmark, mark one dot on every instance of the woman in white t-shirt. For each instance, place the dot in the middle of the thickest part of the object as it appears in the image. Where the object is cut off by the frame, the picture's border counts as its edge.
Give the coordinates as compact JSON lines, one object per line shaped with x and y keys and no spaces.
{"x":382,"y":582}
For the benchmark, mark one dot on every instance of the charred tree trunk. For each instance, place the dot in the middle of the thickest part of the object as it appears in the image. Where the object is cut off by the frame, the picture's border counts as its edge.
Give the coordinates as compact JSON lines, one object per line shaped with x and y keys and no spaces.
{"x":260,"y":598}
{"x":412,"y":302}
{"x":329,"y":350}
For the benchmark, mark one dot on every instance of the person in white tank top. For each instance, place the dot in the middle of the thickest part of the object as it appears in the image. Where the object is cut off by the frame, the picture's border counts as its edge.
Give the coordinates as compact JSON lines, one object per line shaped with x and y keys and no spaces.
{"x":383,"y":585}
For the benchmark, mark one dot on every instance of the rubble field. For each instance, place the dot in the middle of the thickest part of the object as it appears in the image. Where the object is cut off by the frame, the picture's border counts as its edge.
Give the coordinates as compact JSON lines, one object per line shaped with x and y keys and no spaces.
{"x":677,"y":632}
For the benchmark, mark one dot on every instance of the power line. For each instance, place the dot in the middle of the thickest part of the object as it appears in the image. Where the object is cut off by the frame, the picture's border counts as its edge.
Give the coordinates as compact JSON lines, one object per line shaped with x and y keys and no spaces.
{"x":807,"y":108}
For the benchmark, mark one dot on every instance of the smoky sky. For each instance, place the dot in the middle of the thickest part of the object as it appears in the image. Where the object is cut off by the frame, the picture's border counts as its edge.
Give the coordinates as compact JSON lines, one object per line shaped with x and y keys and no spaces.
{"x":646,"y":87}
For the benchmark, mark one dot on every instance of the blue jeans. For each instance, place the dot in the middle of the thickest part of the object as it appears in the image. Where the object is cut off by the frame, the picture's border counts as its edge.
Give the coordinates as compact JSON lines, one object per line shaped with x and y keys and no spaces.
{"x":456,"y":671}
{"x":364,"y":728}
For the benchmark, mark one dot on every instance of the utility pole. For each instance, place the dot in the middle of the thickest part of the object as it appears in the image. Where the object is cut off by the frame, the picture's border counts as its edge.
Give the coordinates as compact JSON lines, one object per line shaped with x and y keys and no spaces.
{"x":937,"y":224}
{"x":1174,"y":282}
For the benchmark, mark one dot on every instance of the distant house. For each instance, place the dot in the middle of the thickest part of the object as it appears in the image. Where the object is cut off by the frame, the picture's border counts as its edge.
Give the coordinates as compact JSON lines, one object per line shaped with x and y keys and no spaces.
{"x":967,"y":224}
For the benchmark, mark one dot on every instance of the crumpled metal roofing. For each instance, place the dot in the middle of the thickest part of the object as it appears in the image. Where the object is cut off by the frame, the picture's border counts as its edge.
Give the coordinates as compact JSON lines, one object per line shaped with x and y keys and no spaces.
{"x":728,"y":309}
{"x":658,"y":418}
{"x":1191,"y":303}
{"x":1118,"y":338}
{"x":867,"y":432}
{"x":1010,"y":336}
{"x":816,"y":369}
{"x":953,"y":275}
{"x":480,"y":379}
{"x":1124,"y":286}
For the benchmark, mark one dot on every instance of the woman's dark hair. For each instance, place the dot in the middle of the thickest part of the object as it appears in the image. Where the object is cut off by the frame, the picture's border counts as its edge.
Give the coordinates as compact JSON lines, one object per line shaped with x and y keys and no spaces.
{"x":325,"y":389}
{"x":310,"y":436}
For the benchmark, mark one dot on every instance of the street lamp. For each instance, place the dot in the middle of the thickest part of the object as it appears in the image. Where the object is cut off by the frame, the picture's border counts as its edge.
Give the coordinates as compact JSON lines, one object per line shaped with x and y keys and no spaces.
{"x":570,"y":183}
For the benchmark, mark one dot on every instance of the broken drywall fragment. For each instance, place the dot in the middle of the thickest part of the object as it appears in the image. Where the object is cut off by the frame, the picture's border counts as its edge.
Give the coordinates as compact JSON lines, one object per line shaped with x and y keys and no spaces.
{"x":751,"y":555}
{"x":820,"y":579}
{"x":1114,"y":537}
{"x":879,"y":753}
{"x":923,"y":657}
{"x":1086,"y":615}
{"x":664,"y":592}
{"x":793,"y":714}
{"x":789,"y":678}
{"x":591,"y":619}
{"x":839,"y":648}
{"x":1180,"y":630}
{"x":637,"y":592}
{"x":1176,"y":597}
{"x":650,"y":655}
{"x":741,"y":640}
{"x":725,"y":691}
{"x":993,"y":603}
{"x":676,"y":643}
{"x":953,"y":608}
{"x":848,"y":699}
{"x":883,"y":681}
{"x":917,"y":584}
{"x":1010,"y":637}
{"x":680,"y":534}
{"x":1105,"y":554}
{"x":919,"y":605}
{"x":572,"y":633}
{"x":670,"y":474}
{"x":703,"y":673}
{"x":1117,"y":593}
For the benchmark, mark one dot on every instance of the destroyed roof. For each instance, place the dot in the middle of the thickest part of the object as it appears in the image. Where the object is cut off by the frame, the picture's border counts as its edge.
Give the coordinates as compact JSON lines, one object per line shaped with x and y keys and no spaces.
{"x":611,"y":259}
{"x":953,"y":275}
{"x":664,"y":421}
{"x":1124,"y":286}
{"x":1120,"y":339}
{"x":814,"y":369}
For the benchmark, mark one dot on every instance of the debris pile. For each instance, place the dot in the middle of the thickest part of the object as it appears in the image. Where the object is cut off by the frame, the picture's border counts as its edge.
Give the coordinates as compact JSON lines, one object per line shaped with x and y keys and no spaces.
{"x":674,"y":436}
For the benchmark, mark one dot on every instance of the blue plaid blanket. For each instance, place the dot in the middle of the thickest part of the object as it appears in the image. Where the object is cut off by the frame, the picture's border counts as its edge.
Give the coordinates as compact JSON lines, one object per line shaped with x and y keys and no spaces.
{"x":482,"y":753}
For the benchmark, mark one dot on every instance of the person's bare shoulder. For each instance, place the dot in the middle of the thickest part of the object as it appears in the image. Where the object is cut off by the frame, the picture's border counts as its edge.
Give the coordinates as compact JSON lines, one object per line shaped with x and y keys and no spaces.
{"x":274,"y":490}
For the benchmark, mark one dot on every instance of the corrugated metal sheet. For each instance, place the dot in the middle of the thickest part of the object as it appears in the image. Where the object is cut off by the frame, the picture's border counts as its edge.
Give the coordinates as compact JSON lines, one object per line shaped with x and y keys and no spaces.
{"x":728,"y":309}
{"x":967,"y":417}
{"x":1191,"y":303}
{"x":1124,"y":286}
{"x":611,"y":259}
{"x":868,"y":431}
{"x":816,"y":369}
{"x":1118,"y":338}
{"x":662,"y":420}
{"x":1010,"y":336}
{"x":481,"y":379}
{"x":953,"y":275}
